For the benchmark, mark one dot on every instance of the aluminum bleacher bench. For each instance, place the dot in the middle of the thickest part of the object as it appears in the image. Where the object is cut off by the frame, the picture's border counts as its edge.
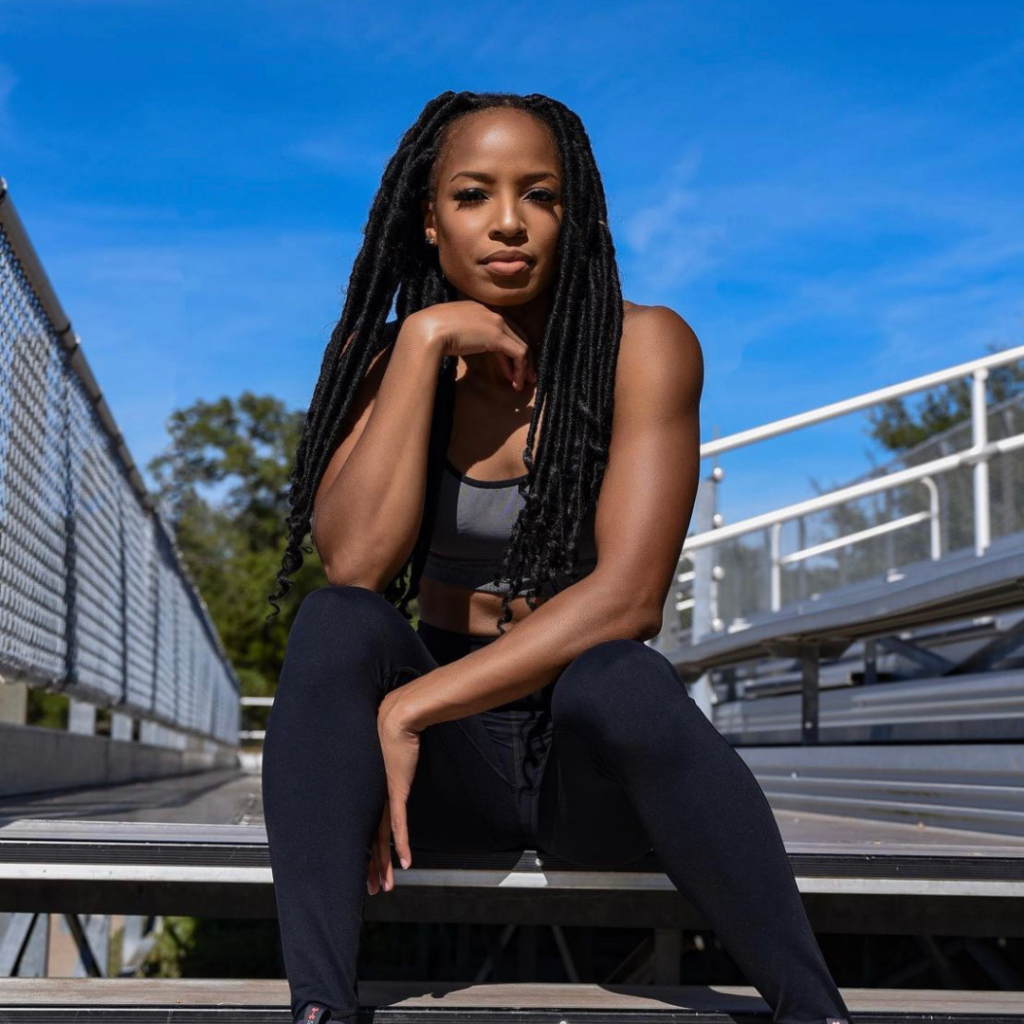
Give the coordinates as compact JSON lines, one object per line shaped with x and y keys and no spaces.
{"x":957,"y":586}
{"x":163,"y":847}
{"x":196,"y":844}
{"x":243,"y":1001}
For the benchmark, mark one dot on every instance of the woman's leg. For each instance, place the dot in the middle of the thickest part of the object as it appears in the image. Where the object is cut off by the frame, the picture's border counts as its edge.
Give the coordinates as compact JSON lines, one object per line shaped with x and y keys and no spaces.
{"x":324,"y":784}
{"x":620,"y":711}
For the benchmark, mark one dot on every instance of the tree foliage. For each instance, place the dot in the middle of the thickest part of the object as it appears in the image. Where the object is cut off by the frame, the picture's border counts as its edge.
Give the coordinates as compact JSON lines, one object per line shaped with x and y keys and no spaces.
{"x":223,"y":483}
{"x":898,"y":425}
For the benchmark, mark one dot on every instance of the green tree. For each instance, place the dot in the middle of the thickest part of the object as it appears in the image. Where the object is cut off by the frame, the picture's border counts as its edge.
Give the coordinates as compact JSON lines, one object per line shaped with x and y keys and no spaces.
{"x":223,"y":484}
{"x":898,"y":427}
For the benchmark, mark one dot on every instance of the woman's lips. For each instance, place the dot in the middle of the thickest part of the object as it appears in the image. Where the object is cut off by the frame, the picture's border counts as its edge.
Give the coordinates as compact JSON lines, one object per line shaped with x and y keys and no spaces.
{"x":506,"y":267}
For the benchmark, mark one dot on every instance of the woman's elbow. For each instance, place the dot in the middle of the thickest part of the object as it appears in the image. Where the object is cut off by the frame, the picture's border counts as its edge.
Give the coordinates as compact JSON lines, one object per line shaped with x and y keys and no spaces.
{"x":344,"y":575}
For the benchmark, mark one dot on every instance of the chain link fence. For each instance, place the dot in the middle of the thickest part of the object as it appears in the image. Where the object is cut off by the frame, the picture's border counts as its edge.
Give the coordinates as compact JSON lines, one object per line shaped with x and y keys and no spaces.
{"x":95,"y":601}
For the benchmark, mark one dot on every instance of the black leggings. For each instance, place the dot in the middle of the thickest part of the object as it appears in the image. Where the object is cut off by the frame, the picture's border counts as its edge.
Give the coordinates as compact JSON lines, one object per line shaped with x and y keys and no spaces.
{"x":612,"y":759}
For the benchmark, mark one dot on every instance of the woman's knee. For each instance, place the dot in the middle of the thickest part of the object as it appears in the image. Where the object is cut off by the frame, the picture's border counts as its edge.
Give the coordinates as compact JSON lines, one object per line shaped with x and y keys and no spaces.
{"x":344,"y":610}
{"x":606,"y":680}
{"x":336,"y":626}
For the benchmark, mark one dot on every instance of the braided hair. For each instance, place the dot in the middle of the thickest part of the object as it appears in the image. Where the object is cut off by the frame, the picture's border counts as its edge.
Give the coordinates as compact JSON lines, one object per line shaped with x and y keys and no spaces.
{"x":575,"y":371}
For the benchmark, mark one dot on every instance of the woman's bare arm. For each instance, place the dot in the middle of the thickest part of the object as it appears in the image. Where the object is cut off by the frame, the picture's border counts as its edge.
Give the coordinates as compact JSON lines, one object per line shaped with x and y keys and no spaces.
{"x":369,"y":503}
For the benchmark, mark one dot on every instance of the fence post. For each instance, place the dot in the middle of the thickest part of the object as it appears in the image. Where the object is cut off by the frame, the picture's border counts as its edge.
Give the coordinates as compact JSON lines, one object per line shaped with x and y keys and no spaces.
{"x":979,"y":437}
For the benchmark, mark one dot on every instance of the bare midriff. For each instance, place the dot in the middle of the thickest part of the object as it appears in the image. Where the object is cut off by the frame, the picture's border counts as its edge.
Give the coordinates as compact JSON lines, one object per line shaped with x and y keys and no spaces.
{"x":466,"y":611}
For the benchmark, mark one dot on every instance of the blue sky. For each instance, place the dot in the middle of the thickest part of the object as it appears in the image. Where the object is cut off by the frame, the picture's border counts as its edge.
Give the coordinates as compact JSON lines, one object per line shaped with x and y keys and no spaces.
{"x":830,"y":194}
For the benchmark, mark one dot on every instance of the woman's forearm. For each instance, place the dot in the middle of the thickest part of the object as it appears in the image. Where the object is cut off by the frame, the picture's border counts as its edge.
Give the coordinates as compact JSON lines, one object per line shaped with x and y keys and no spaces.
{"x":370,"y":516}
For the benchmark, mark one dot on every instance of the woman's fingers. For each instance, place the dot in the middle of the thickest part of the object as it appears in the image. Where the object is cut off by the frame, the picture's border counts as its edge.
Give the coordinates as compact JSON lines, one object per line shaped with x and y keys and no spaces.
{"x":523,"y":354}
{"x":400,"y":747}
{"x":522,"y":367}
{"x":387,"y":874}
{"x":511,"y":367}
{"x":505,"y":362}
{"x":380,"y":854}
{"x":512,"y":370}
{"x":518,"y":355}
{"x":400,"y":831}
{"x":384,"y":850}
{"x":515,"y":357}
{"x":372,"y":875}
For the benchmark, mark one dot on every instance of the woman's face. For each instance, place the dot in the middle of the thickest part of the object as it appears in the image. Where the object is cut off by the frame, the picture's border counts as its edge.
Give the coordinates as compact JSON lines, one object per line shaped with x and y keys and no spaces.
{"x":498,"y":186}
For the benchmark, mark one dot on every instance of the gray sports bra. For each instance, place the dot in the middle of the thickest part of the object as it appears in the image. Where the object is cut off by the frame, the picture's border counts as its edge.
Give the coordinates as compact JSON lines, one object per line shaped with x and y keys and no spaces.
{"x":473,"y":524}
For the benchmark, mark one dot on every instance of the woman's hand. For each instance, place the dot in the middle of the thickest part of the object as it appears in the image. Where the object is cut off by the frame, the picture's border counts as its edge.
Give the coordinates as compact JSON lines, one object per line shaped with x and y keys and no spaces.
{"x":465,"y":327}
{"x":400,"y":745}
{"x":380,"y":876}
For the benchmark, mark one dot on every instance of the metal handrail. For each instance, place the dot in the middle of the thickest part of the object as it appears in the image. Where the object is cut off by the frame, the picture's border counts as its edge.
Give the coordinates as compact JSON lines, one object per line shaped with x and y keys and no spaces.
{"x":977,"y":455}
{"x":864,"y":401}
{"x":969,"y":456}
{"x":253,"y":702}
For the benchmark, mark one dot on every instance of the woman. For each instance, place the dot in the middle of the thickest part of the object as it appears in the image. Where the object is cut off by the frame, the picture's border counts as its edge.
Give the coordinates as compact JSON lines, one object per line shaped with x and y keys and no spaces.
{"x":417,"y":476}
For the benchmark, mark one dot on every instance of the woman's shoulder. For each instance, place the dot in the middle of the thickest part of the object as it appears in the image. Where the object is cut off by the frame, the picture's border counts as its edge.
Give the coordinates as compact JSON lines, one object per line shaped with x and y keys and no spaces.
{"x":657,"y":346}
{"x":656,"y":325}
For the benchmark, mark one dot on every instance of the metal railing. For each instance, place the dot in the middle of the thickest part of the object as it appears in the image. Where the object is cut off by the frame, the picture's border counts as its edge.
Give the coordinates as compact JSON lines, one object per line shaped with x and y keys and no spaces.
{"x":95,"y":599}
{"x":713,"y":535}
{"x":254,"y":702}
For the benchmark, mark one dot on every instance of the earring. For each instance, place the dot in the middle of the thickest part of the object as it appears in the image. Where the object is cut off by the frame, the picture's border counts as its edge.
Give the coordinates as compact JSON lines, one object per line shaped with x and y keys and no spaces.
{"x":430,"y":241}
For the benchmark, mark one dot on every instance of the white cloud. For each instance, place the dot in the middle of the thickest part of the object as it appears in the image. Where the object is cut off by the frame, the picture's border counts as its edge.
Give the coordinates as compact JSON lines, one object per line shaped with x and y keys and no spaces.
{"x":671,"y":242}
{"x":8,"y":80}
{"x":339,"y":150}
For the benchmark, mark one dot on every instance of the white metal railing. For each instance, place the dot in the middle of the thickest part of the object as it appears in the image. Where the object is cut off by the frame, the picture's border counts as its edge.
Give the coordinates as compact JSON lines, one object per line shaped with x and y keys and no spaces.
{"x":253,"y":702}
{"x":977,"y":455}
{"x":847,"y":405}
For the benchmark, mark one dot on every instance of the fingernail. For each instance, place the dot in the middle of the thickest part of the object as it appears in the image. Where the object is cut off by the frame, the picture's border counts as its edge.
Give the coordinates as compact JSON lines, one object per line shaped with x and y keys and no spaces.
{"x":404,"y":861}
{"x":368,"y":889}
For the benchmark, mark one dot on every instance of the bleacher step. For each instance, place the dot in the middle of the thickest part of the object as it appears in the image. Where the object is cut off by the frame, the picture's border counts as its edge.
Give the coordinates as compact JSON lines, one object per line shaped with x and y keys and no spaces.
{"x":232,"y":1001}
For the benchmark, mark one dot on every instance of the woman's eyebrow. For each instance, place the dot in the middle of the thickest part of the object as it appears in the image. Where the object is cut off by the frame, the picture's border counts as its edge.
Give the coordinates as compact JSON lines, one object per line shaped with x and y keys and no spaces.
{"x":483,"y":176}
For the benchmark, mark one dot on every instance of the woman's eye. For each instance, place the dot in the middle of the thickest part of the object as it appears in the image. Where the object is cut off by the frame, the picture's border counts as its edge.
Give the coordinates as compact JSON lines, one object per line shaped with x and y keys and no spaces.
{"x":467,"y":195}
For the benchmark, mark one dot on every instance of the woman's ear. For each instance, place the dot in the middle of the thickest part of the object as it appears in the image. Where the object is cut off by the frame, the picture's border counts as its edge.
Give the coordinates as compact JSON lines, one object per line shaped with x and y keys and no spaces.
{"x":427,"y":207}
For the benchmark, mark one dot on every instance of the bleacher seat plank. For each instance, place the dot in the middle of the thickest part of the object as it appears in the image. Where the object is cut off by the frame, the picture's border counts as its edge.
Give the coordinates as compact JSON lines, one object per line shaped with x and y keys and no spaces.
{"x":959,"y":585}
{"x":257,"y":1000}
{"x":861,"y":856}
{"x":197,"y":845}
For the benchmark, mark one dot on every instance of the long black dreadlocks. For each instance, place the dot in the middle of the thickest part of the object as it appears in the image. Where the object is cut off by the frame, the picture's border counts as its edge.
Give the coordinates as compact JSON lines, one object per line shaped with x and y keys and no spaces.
{"x":575,"y":373}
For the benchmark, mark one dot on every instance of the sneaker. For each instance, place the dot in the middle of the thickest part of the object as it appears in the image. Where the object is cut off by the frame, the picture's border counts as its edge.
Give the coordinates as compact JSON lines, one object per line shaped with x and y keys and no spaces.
{"x":314,"y":1014}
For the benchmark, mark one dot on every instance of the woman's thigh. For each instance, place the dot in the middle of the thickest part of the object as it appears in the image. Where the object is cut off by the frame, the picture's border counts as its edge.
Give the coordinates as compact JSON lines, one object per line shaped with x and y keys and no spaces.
{"x":459,"y":800}
{"x":348,"y":648}
{"x":583,"y":813}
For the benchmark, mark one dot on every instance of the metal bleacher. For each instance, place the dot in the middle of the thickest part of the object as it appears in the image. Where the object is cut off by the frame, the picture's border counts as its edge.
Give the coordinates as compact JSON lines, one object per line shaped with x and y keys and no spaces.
{"x":878,"y":700}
